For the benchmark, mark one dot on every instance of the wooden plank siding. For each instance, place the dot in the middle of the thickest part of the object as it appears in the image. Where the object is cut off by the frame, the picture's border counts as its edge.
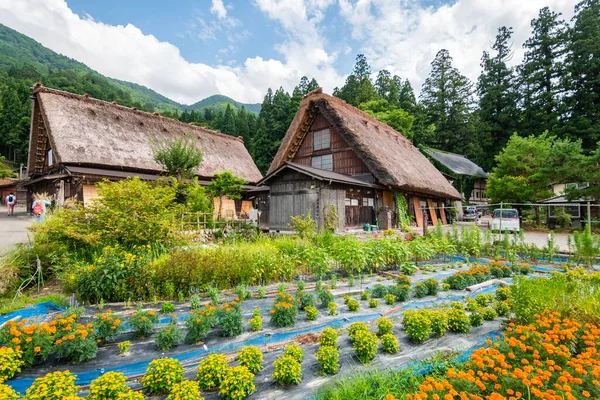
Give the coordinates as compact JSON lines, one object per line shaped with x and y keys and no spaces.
{"x":432,"y":212}
{"x":442,"y":212}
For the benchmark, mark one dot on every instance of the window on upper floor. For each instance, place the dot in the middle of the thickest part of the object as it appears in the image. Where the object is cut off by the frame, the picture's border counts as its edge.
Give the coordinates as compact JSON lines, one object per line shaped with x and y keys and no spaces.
{"x":49,"y":157}
{"x":321,"y":139}
{"x":323,"y":162}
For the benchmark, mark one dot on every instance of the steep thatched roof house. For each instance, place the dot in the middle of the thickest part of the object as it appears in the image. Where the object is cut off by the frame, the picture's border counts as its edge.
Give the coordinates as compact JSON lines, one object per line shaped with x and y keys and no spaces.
{"x":75,"y":141}
{"x":336,"y":155}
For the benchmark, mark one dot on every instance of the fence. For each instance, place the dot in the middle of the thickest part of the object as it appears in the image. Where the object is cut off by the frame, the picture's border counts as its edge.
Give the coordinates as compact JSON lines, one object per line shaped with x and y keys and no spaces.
{"x":193,"y":222}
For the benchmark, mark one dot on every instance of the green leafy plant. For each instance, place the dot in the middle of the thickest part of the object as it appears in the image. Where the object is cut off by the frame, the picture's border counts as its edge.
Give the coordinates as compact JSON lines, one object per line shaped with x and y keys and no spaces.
{"x":365,"y":295}
{"x":489,"y":314}
{"x":384,"y":326}
{"x":389,"y":343}
{"x":329,"y":337}
{"x":306,"y":299}
{"x":295,"y":351}
{"x":287,"y":371}
{"x":365,"y":345}
{"x":373,"y":303}
{"x":502,"y":308}
{"x":243,"y":293}
{"x":10,"y":363}
{"x":458,"y":321}
{"x":421,"y":290}
{"x":168,"y":337}
{"x":124,"y":347}
{"x":417,"y":325}
{"x":199,"y":323}
{"x":237,"y":384}
{"x":107,"y":327}
{"x":311,"y":313}
{"x":211,"y":371}
{"x":475,"y":318}
{"x":53,"y":386}
{"x":325,"y":297}
{"x":77,"y":345}
{"x":503,"y":293}
{"x":213,"y":293}
{"x":167,"y":308}
{"x":185,"y":390}
{"x":256,"y":322}
{"x":108,"y":386}
{"x":353,"y":305}
{"x":142,"y":323}
{"x":161,"y":375}
{"x":356,"y":327}
{"x":260,"y":292}
{"x":178,"y":157}
{"x":284,"y":311}
{"x":439,"y":322}
{"x":390,"y":299}
{"x":304,"y":225}
{"x":379,"y":291}
{"x":332,"y":306}
{"x":251,"y":357}
{"x":330,"y":218}
{"x":328,"y":358}
{"x":230,"y":319}
{"x":195,"y":301}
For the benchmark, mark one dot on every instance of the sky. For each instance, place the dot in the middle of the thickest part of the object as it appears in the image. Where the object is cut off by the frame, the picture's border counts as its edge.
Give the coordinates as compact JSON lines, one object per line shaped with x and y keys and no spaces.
{"x":188,"y":50}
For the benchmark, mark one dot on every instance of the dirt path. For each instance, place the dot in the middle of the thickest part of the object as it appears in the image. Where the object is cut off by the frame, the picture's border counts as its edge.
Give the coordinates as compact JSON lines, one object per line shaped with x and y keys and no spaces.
{"x":13,"y":229}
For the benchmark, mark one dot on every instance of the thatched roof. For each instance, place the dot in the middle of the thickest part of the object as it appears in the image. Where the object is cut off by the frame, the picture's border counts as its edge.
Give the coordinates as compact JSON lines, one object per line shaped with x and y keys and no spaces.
{"x":319,"y":174}
{"x":456,"y":163}
{"x":89,"y":132}
{"x":390,"y":157}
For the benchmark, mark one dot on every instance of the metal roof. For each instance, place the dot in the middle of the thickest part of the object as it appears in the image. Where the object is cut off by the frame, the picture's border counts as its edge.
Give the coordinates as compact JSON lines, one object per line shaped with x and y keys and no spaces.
{"x":456,"y":163}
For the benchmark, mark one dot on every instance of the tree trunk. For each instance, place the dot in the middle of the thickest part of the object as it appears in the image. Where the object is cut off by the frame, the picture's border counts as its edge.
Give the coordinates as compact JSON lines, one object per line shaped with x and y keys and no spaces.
{"x":537,"y":215}
{"x":220,"y":207}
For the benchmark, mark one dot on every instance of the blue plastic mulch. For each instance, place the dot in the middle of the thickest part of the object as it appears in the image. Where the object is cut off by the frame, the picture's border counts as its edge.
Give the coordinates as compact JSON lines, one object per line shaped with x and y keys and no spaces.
{"x":40,"y":311}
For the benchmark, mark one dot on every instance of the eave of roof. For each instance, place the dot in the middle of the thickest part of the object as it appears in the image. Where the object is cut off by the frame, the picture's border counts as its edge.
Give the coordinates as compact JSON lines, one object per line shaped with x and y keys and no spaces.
{"x":456,"y":163}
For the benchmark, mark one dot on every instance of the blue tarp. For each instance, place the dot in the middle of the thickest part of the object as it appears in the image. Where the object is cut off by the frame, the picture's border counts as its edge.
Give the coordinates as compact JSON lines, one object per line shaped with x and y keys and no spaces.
{"x":40,"y":311}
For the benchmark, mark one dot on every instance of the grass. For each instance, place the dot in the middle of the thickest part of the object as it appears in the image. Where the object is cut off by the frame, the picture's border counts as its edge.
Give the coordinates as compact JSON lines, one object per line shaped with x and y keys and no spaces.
{"x":7,"y":306}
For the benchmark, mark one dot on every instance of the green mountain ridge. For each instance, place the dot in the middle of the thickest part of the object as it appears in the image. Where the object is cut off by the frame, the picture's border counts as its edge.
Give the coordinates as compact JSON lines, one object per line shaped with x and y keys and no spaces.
{"x":19,"y":51}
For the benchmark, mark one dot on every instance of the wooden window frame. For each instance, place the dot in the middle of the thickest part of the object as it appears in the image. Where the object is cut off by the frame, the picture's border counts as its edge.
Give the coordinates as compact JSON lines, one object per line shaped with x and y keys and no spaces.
{"x":318,"y":138}
{"x":320,"y":158}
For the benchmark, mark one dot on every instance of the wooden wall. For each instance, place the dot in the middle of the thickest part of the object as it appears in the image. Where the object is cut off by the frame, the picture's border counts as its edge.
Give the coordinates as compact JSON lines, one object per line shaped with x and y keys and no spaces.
{"x":292,"y":194}
{"x":345,"y":161}
{"x":334,"y":195}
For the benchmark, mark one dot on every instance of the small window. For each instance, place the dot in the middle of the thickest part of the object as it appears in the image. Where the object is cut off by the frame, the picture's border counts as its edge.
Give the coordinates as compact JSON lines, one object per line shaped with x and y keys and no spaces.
{"x":323,"y":162}
{"x":321,"y":139}
{"x":49,"y":157}
{"x":367,"y":202}
{"x":347,"y":201}
{"x":354,"y":202}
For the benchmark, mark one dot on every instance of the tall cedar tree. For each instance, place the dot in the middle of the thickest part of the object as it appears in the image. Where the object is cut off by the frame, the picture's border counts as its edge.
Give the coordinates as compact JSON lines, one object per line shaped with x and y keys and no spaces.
{"x":498,"y":95}
{"x":358,"y":87}
{"x":583,"y":74}
{"x":541,"y":73}
{"x":447,"y":98}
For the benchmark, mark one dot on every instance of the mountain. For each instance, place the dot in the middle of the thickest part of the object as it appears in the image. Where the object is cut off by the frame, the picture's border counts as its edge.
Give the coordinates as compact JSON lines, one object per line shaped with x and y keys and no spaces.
{"x":219,"y":102}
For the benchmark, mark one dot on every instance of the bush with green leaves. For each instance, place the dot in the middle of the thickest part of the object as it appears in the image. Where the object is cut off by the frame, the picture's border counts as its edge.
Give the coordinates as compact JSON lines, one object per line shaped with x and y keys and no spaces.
{"x":243,"y":293}
{"x":284,"y":311}
{"x":260,"y":292}
{"x":458,"y":321}
{"x":10,"y":363}
{"x":230,"y":319}
{"x":390,"y":299}
{"x":256,"y":322}
{"x":379,"y":291}
{"x":325,"y":297}
{"x":417,"y":325}
{"x":305,"y":299}
{"x":108,"y":386}
{"x":356,"y":327}
{"x":211,"y":371}
{"x":488,"y":313}
{"x":195,"y":301}
{"x":251,"y":357}
{"x":384,"y":326}
{"x":373,"y":303}
{"x":161,"y":375}
{"x":168,"y":337}
{"x":329,"y":337}
{"x":503,"y":293}
{"x":475,"y":318}
{"x":311,"y":313}
{"x":365,"y":345}
{"x":237,"y":384}
{"x":502,"y":308}
{"x":328,"y":358}
{"x":167,"y":308}
{"x":433,"y":286}
{"x":353,"y":305}
{"x":53,"y":386}
{"x":332,"y":306}
{"x":484,"y":299}
{"x":421,"y":290}
{"x":401,"y":291}
{"x":287,"y":370}
{"x":142,"y":323}
{"x":295,"y":351}
{"x":107,"y":326}
{"x":389,"y":343}
{"x":199,"y":323}
{"x":364,"y":295}
{"x":185,"y":390}
{"x":439,"y":322}
{"x":8,"y":393}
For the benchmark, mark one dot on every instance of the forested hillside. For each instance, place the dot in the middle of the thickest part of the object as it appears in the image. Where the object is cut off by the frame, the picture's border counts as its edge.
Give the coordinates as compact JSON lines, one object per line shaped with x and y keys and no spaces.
{"x":219,"y":102}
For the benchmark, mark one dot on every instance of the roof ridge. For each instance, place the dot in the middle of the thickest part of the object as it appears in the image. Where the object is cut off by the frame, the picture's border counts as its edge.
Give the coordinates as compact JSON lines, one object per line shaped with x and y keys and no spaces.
{"x":38,"y":87}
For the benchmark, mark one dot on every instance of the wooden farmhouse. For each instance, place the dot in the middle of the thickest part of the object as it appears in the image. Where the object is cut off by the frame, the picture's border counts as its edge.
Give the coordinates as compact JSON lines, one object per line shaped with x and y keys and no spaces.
{"x":76,"y":141}
{"x":335,"y":155}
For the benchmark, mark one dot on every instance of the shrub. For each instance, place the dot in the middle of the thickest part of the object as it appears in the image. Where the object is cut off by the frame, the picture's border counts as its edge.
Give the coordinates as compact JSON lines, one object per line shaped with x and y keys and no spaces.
{"x":329,"y":337}
{"x":311,"y":313}
{"x":295,"y":351}
{"x":211,"y":371}
{"x":364,"y":295}
{"x":199,"y":323}
{"x":77,"y":345}
{"x":168,"y":337}
{"x":7,"y":393}
{"x":332,"y":306}
{"x":124,"y":346}
{"x":107,"y":327}
{"x":107,"y":386}
{"x":328,"y":358}
{"x":353,"y":305}
{"x":356,"y":327}
{"x":489,"y":314}
{"x":305,"y":299}
{"x":346,"y":298}
{"x":251,"y":357}
{"x":365,"y":345}
{"x":230,"y":319}
{"x":185,"y":390}
{"x":213,"y":293}
{"x":373,"y":303}
{"x":475,"y":318}
{"x":463,"y":279}
{"x":237,"y":384}
{"x":389,"y":343}
{"x":256,"y":322}
{"x":142,"y":323}
{"x":32,"y":341}
{"x":439,"y":322}
{"x":195,"y":301}
{"x":390,"y":299}
{"x":421,"y":290}
{"x":301,"y":285}
{"x":503,"y":293}
{"x":131,"y":395}
{"x":433,"y":286}
{"x":484,"y":299}
{"x":502,"y":308}
{"x":472,"y":305}
{"x":325,"y":297}
{"x":401,"y":291}
{"x":260,"y":292}
{"x":284,"y":311}
{"x":379,"y":291}
{"x":384,"y":326}
{"x":167,"y":308}
{"x":287,"y":370}
{"x":53,"y":386}
{"x":243,"y":293}
{"x":161,"y":375}
{"x":10,"y":363}
{"x":417,"y":325}
{"x":458,"y":321}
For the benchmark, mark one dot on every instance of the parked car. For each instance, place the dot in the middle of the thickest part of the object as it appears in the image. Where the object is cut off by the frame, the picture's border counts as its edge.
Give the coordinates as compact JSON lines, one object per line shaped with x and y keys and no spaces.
{"x":510,"y":220}
{"x":471,"y":213}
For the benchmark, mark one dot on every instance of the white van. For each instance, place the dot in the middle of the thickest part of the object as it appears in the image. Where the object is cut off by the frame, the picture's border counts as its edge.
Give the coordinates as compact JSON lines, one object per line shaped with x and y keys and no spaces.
{"x":510,"y":220}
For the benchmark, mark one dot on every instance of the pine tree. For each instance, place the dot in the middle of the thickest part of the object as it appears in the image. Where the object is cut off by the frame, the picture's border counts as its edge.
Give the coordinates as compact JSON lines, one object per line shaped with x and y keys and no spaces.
{"x":242,"y":127}
{"x":303,"y":85}
{"x":447,"y":98}
{"x":498,"y":95}
{"x":313,"y":84}
{"x":583,"y":74}
{"x":541,"y":73}
{"x":228,"y":124}
{"x":358,"y":87}
{"x":406,"y":96}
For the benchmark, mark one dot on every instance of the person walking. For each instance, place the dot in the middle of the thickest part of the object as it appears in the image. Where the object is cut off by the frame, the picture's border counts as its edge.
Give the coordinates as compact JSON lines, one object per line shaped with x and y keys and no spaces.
{"x":39,"y":208}
{"x":11,"y":200}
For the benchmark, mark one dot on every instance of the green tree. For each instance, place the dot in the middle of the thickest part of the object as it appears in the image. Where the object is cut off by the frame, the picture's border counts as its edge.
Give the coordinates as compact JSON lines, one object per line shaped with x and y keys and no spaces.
{"x":392,"y":115}
{"x":541,"y":73}
{"x":243,"y":127}
{"x":228,"y":124}
{"x":358,"y":87}
{"x":178,"y":157}
{"x":447,"y":98}
{"x":588,"y":170}
{"x":227,"y":185}
{"x":5,"y":170}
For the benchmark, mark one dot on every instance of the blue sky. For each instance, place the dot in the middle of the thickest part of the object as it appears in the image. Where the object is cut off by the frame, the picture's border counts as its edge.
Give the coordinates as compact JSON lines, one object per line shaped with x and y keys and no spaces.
{"x":188,"y":50}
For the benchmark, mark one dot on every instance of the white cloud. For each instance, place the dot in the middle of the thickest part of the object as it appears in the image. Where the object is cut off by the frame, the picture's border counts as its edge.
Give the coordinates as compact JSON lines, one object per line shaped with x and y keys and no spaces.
{"x":218,"y":8}
{"x":403,"y":37}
